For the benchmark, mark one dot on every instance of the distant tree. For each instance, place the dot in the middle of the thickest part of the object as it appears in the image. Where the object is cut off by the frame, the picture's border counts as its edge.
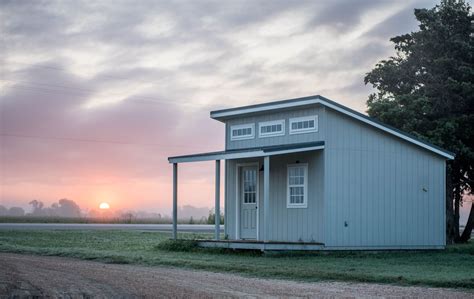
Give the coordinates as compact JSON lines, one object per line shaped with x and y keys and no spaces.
{"x":63,"y":208}
{"x":191,"y":220}
{"x":128,"y":217}
{"x":3,"y":211}
{"x":211,"y":219}
{"x":16,"y":212}
{"x":427,"y":89}
{"x":37,"y":208}
{"x":67,"y":208}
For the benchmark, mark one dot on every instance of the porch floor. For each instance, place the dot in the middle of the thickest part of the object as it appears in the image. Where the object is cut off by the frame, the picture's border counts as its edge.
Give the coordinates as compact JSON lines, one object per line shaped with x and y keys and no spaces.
{"x":260,"y":245}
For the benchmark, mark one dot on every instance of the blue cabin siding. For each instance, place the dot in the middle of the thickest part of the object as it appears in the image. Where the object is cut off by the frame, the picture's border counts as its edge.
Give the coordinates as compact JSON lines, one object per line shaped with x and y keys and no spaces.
{"x":286,"y":224}
{"x":277,"y":140}
{"x":390,"y":193}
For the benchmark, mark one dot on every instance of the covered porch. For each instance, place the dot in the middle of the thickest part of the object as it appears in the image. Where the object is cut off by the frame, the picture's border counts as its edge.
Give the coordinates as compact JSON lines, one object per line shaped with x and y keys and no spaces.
{"x":248,"y":192}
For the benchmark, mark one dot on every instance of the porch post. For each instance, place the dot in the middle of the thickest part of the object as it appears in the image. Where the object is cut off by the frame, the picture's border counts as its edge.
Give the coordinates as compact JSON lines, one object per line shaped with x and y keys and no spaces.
{"x":218,"y":200}
{"x":175,"y":201}
{"x":266,"y":197}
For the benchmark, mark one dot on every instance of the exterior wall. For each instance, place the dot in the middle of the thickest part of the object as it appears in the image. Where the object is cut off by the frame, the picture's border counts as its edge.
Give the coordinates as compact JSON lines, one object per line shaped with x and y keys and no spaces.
{"x":390,"y":193}
{"x":286,"y":224}
{"x":277,"y":140}
{"x":231,"y":193}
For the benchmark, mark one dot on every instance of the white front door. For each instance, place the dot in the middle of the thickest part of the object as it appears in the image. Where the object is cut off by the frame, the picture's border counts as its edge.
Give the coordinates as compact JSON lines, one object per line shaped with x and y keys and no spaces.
{"x":248,"y":202}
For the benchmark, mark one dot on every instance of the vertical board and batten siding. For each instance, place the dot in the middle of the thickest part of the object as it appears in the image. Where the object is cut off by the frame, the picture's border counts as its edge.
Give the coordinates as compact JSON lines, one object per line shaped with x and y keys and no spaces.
{"x":297,"y":224}
{"x":390,"y":193}
{"x":276,"y":140}
{"x":285,"y":224}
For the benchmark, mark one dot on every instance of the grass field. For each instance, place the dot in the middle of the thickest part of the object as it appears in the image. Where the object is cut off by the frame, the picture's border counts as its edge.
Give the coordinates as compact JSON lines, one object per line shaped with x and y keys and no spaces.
{"x":453,"y":267}
{"x":114,"y":220}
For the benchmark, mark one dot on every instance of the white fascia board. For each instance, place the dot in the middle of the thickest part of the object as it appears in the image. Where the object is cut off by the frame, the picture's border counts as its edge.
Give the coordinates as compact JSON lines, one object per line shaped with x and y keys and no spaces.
{"x":211,"y":157}
{"x":252,"y":154}
{"x":264,"y":108}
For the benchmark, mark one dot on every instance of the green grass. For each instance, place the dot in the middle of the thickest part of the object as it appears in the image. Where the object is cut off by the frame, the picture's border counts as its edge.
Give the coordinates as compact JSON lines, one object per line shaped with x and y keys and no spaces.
{"x":453,"y":267}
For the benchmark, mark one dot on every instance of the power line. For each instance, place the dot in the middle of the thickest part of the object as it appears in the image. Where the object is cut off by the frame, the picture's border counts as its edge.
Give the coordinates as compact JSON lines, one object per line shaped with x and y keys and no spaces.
{"x":61,"y":69}
{"x":47,"y":89}
{"x":90,"y":140}
{"x":141,"y":98}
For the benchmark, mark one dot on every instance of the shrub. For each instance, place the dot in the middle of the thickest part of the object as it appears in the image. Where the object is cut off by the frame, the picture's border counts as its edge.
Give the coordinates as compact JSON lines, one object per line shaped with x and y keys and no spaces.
{"x":177,"y":245}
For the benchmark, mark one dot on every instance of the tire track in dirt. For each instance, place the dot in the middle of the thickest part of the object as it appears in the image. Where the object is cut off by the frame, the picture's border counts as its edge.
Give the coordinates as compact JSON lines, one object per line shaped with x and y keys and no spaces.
{"x":41,"y":276}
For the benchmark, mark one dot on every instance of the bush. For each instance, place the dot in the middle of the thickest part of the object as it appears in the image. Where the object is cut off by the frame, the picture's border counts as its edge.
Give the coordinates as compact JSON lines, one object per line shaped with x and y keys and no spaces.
{"x":177,"y":245}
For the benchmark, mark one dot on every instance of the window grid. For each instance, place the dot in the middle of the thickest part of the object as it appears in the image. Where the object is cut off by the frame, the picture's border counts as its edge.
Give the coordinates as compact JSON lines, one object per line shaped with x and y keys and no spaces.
{"x":304,"y":124}
{"x":297,"y":185}
{"x":250,"y":186}
{"x":272,"y":128}
{"x":240,"y":132}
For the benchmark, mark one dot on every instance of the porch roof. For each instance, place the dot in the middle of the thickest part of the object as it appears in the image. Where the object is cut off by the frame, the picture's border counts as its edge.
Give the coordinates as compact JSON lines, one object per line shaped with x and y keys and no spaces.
{"x":250,"y":152}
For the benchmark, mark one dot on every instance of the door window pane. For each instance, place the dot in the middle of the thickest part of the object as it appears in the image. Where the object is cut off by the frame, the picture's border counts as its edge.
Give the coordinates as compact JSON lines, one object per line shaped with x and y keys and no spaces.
{"x":249,"y":177}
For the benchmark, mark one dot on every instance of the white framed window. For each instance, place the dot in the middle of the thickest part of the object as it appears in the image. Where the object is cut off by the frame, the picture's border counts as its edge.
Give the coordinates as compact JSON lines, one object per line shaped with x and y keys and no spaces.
{"x":241,"y":132}
{"x":297,"y":192}
{"x":305,"y":124}
{"x":271,"y":128}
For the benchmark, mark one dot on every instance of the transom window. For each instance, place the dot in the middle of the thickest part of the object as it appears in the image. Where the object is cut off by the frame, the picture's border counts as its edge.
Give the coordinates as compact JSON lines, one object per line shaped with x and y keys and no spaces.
{"x":272,"y":128}
{"x":297,"y":186}
{"x":304,"y":124}
{"x":240,"y":132}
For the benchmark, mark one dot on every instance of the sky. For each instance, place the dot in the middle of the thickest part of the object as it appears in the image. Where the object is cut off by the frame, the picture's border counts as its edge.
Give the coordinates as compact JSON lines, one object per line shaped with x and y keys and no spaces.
{"x":95,"y":95}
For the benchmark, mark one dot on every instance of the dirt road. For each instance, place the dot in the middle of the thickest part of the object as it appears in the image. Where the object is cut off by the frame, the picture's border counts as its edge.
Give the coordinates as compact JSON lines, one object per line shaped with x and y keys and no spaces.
{"x":25,"y":275}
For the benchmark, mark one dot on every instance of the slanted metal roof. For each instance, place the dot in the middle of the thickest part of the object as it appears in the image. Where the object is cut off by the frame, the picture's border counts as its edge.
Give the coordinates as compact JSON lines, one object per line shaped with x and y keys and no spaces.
{"x":223,"y":115}
{"x":250,"y":152}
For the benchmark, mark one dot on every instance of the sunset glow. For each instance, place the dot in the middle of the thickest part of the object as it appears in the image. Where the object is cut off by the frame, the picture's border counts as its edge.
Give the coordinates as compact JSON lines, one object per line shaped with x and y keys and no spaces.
{"x":104,"y":206}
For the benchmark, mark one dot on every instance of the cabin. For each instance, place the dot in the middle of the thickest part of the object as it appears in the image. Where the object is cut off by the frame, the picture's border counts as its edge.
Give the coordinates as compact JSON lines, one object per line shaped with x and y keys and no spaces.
{"x":311,"y":174}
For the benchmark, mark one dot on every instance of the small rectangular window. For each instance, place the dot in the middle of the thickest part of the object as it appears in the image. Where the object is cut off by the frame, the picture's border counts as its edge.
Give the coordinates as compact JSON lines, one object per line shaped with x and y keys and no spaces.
{"x":305,"y":124}
{"x":271,"y":128}
{"x":241,"y":132}
{"x":297,"y":192}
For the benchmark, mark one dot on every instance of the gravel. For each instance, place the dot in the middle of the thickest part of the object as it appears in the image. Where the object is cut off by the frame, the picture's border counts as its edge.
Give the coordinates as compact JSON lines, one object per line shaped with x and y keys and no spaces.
{"x":40,"y":276}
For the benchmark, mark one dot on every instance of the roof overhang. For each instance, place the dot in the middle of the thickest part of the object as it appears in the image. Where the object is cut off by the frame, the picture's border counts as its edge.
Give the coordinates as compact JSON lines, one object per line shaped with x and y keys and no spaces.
{"x":223,"y":115}
{"x":250,"y":153}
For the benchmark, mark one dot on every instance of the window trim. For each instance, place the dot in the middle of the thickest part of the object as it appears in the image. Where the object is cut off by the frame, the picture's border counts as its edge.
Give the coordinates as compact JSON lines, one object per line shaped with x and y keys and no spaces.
{"x":243,"y":126}
{"x":269,"y":123}
{"x":306,"y":130}
{"x":305,"y":186}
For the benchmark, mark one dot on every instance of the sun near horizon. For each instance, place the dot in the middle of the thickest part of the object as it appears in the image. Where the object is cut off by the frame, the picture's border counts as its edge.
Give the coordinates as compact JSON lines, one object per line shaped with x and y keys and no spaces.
{"x":104,"y":206}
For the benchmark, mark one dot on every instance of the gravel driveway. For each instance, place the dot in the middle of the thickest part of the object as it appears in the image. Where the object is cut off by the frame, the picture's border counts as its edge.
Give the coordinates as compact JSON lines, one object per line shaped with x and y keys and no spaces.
{"x":25,"y":275}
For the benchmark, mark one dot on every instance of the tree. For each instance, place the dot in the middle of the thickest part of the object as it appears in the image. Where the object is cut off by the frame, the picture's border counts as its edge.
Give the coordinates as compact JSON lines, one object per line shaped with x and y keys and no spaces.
{"x":37,"y":208}
{"x":211,"y":219}
{"x":427,"y":89}
{"x":16,"y":212}
{"x":3,"y":211}
{"x":67,"y":208}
